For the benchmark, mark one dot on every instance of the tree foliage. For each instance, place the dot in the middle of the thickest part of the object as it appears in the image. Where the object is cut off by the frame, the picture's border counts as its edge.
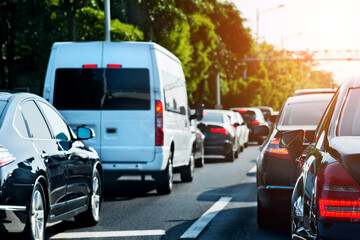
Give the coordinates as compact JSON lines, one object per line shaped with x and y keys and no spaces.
{"x":208,"y":36}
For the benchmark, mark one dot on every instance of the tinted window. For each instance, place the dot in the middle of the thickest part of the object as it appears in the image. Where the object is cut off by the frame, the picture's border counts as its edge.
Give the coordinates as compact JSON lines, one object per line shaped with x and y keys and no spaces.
{"x":350,"y":117}
{"x":102,"y":88}
{"x":19,"y":123}
{"x":57,"y":124}
{"x":212,"y":117}
{"x":308,"y":113}
{"x":248,"y":116}
{"x":36,"y":122}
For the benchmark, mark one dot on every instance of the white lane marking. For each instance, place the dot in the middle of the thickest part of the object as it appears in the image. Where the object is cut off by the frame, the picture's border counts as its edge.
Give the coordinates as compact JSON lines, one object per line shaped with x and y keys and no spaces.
{"x":253,"y":170}
{"x":204,"y":220}
{"x":79,"y":235}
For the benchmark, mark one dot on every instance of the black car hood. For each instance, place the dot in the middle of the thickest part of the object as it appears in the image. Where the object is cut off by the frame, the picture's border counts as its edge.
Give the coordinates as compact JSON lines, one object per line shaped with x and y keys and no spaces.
{"x":347,"y":151}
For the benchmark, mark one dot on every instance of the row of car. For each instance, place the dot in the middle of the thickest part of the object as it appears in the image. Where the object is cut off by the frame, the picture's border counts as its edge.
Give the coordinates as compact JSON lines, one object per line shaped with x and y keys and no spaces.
{"x":309,"y":164}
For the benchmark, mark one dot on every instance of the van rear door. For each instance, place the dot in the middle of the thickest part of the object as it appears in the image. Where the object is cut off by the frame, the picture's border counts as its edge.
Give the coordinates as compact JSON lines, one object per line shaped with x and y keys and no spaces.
{"x":128,"y":111}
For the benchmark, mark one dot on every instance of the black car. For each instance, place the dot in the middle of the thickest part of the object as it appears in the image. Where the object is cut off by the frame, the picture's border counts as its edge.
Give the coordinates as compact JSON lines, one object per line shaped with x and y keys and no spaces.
{"x":253,"y":118}
{"x":47,"y":173}
{"x":325,"y":201}
{"x":276,"y":167}
{"x":219,"y":134}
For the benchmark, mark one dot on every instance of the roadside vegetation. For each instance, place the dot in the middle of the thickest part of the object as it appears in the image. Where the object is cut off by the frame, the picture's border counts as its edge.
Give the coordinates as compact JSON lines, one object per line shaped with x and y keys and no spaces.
{"x":208,"y":36}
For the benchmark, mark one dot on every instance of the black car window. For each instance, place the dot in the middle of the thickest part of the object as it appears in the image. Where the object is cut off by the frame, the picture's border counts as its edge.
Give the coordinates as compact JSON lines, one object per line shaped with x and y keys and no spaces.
{"x":102,"y":89}
{"x":248,"y":116}
{"x":20,"y":125}
{"x":306,"y":113}
{"x":57,"y":124}
{"x":35,"y":121}
{"x":349,"y":124}
{"x":212,"y":117}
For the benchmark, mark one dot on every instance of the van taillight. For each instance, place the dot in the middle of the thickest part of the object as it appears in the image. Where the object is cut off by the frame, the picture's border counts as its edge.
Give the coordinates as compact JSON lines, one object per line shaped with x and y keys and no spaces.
{"x":337,"y":194}
{"x":114,"y":65}
{"x":274,"y":150}
{"x":5,"y":156}
{"x":159,"y":130}
{"x":255,"y":122}
{"x":89,"y":66}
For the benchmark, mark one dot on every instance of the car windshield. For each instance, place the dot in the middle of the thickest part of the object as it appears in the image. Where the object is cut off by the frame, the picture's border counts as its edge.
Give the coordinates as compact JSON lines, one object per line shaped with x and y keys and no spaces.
{"x":212,"y":117}
{"x":349,"y":124}
{"x":248,"y":116}
{"x":306,"y":113}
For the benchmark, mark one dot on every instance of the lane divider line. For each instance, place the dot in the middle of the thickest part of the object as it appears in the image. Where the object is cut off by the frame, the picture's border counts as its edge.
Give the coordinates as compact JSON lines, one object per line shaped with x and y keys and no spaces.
{"x":79,"y":235}
{"x":252,"y":170}
{"x":199,"y":225}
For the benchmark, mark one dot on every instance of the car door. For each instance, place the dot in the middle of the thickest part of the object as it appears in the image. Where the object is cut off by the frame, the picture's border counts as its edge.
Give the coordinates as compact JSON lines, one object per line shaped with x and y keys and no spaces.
{"x":78,"y":164}
{"x":51,"y":154}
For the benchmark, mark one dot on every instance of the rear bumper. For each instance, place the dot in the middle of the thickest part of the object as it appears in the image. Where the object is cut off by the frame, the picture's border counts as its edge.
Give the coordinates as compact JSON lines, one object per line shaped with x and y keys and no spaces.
{"x":218,"y":148}
{"x":338,"y":230}
{"x":278,"y":197}
{"x":13,"y":218}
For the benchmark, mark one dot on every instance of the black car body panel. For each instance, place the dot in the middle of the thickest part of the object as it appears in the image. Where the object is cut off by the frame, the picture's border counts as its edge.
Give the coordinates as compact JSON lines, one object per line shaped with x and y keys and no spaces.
{"x":337,"y":217}
{"x":64,"y":167}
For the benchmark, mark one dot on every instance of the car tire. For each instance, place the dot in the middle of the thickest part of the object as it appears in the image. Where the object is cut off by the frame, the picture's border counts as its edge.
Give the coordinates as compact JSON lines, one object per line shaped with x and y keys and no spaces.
{"x":229,"y":157}
{"x":262,"y":215}
{"x":35,"y":228}
{"x":164,"y":180}
{"x":200,"y":162}
{"x":246,"y":145}
{"x":187,"y":173}
{"x":92,"y":215}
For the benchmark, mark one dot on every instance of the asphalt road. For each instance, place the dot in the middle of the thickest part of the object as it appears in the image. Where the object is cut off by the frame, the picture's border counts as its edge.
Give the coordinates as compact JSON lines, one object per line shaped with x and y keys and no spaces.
{"x":224,"y":193}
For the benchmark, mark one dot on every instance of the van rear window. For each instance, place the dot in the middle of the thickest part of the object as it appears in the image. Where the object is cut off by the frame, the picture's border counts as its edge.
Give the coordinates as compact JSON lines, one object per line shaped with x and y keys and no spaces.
{"x":102,"y":89}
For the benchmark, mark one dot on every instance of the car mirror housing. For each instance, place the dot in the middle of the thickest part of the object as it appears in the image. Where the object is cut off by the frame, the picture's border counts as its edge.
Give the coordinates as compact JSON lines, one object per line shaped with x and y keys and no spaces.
{"x":84,"y":133}
{"x":261,"y":130}
{"x":292,"y":138}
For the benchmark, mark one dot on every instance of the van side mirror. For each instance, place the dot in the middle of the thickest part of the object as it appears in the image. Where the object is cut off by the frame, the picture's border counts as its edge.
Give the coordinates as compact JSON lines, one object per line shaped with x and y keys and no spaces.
{"x":198,"y":112}
{"x":84,"y":133}
{"x":292,"y":139}
{"x":182,"y":110}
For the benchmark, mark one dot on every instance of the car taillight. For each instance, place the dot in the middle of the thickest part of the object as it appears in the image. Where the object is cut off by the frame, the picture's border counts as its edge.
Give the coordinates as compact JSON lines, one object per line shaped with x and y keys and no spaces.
{"x":114,"y":65}
{"x":255,"y":122}
{"x":242,"y":111}
{"x":89,"y":66}
{"x":274,"y":150}
{"x":219,"y":130}
{"x":337,"y":194}
{"x":5,"y":156}
{"x":159,"y":131}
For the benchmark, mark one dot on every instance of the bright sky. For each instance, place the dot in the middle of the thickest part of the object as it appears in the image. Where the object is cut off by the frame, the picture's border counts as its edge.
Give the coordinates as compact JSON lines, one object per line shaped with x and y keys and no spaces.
{"x":308,"y":24}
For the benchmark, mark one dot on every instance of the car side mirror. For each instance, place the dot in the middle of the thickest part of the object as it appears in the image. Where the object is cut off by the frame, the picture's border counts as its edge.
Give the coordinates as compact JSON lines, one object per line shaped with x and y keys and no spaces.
{"x":182,"y":110}
{"x":243,"y":123}
{"x":198,"y":112}
{"x":292,"y":139}
{"x":84,"y":133}
{"x":236,"y":124}
{"x":261,"y":130}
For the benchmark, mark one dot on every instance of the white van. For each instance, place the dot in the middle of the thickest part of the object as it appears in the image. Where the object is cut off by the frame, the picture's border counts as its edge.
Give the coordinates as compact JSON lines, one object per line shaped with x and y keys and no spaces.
{"x":133,"y":95}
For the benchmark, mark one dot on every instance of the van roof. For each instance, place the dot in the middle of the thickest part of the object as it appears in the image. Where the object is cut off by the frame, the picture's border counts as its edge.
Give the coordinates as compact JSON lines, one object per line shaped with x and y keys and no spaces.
{"x":156,"y":46}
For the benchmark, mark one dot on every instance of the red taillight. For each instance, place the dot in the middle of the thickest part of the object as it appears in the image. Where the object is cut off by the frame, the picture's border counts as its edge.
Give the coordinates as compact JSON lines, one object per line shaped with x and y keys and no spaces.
{"x":274,"y":150}
{"x":5,"y":156}
{"x":338,"y":195}
{"x":159,"y":131}
{"x":255,"y":122}
{"x":242,"y":111}
{"x":114,"y":65}
{"x":219,"y":130}
{"x":89,"y":66}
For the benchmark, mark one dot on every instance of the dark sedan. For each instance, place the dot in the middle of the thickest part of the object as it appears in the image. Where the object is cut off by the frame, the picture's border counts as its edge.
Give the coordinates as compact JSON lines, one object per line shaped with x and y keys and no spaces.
{"x":276,"y":167}
{"x":325,"y":202}
{"x":219,"y":134}
{"x":47,"y":174}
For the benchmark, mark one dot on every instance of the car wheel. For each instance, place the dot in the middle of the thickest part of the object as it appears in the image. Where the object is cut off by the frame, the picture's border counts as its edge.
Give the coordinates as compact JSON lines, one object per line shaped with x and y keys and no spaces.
{"x":200,"y":162}
{"x":164,"y":180}
{"x":262,"y":215}
{"x":246,"y":145}
{"x":92,"y":214}
{"x":187,"y":173}
{"x":229,"y":156}
{"x":37,"y":212}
